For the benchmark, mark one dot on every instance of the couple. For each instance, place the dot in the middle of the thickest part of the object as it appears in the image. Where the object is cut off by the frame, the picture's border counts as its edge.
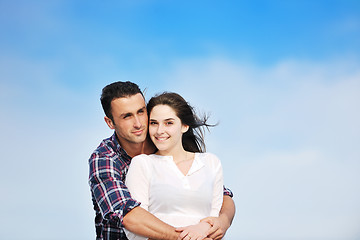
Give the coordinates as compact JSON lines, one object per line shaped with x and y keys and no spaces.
{"x":176,"y":184}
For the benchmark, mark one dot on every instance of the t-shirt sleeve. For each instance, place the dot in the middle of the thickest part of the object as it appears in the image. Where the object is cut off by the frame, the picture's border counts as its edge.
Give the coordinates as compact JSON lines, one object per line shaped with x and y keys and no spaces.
{"x":218,"y":186}
{"x":138,"y":179}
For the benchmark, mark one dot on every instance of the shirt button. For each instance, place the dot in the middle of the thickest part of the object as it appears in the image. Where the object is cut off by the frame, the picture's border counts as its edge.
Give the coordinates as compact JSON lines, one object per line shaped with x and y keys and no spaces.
{"x":186,"y":184}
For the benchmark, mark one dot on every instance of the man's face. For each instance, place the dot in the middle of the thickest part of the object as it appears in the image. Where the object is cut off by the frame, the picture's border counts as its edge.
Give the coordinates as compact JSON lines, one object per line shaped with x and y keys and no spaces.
{"x":130,"y":119}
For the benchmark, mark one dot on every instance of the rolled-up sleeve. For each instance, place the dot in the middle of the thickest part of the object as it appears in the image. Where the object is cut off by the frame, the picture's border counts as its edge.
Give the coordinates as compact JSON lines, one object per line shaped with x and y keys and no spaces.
{"x":228,"y":192}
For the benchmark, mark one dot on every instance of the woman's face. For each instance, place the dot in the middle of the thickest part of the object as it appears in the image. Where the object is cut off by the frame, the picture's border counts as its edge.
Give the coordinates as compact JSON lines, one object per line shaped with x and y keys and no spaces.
{"x":166,"y":129}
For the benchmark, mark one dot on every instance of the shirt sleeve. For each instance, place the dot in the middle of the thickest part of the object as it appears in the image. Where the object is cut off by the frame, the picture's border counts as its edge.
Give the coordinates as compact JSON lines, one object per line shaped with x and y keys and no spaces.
{"x":138,"y":179}
{"x":218,"y":187}
{"x":228,"y":192}
{"x":109,"y":191}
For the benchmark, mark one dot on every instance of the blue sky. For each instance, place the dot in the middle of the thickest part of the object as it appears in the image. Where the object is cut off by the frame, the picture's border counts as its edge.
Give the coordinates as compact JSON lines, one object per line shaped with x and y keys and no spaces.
{"x":282,"y":78}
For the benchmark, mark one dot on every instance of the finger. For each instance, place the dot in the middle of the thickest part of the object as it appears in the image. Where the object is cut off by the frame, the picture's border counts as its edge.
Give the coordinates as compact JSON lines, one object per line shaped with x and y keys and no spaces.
{"x":179,"y":229}
{"x":193,"y":237}
{"x":208,"y":220}
{"x":216,"y":235}
{"x":211,"y":231}
{"x":200,"y":237}
{"x":184,"y":234}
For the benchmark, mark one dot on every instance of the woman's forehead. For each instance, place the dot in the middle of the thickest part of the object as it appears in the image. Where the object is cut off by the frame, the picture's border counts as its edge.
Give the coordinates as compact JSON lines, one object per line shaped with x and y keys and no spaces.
{"x":162,"y":112}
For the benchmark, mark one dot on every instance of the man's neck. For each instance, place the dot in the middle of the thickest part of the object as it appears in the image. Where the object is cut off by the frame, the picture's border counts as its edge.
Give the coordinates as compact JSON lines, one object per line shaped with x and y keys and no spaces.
{"x":149,"y":147}
{"x":134,"y":149}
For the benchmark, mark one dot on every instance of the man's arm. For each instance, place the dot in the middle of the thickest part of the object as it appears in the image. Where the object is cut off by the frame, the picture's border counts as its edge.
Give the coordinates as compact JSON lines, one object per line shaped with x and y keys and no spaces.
{"x":118,"y":206}
{"x":141,"y":222}
{"x":109,"y":192}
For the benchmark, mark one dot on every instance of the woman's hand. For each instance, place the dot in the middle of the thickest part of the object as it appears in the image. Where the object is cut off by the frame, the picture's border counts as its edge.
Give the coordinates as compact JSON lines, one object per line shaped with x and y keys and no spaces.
{"x":218,"y":228}
{"x":194,"y":232}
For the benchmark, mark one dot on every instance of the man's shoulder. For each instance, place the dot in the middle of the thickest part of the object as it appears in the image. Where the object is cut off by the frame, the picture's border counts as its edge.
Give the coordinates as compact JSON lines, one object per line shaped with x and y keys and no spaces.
{"x":106,"y":149}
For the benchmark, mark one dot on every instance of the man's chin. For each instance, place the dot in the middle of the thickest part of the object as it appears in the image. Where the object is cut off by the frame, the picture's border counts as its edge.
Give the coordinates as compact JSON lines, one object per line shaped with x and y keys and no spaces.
{"x":139,"y":139}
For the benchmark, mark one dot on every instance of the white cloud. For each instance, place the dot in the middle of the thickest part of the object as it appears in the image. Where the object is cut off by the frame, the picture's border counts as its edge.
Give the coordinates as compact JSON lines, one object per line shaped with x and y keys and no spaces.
{"x":47,"y":134}
{"x":288,"y":139}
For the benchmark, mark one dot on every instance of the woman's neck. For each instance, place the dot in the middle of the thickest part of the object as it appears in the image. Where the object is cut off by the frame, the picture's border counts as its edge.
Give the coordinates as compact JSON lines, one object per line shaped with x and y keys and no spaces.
{"x":178,"y":156}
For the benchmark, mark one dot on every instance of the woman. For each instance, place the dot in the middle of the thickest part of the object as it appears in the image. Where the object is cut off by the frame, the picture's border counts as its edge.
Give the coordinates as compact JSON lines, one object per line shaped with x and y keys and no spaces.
{"x":179,"y":184}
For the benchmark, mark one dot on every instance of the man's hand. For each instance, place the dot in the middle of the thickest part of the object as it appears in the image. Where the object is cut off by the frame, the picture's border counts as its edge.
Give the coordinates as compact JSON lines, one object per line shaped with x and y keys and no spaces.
{"x":221,"y":224}
{"x":218,"y":227}
{"x":194,"y":232}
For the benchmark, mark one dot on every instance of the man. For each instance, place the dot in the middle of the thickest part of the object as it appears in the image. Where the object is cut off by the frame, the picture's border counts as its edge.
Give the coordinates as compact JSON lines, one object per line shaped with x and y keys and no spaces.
{"x":125,"y":110}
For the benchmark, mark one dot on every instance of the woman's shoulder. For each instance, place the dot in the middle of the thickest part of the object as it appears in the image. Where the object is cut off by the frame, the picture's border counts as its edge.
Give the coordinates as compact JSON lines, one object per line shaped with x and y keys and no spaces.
{"x":142,"y":158}
{"x":209,"y":157}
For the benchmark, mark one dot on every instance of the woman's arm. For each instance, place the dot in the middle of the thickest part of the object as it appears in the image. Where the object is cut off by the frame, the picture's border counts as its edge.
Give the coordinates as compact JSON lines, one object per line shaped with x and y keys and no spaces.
{"x":226,"y":209}
{"x":215,"y":226}
{"x":221,"y":224}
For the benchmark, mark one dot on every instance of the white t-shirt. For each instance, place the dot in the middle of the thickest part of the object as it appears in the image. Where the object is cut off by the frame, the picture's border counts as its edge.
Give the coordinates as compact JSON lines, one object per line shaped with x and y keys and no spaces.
{"x":175,"y":198}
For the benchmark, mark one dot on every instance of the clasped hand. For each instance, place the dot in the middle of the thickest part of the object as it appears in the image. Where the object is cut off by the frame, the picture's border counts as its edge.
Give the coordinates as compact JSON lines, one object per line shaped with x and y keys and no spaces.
{"x":209,"y":228}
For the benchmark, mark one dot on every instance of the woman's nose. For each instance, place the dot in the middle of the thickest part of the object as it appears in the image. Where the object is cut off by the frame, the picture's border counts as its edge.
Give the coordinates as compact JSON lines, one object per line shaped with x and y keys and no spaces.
{"x":160,"y":129}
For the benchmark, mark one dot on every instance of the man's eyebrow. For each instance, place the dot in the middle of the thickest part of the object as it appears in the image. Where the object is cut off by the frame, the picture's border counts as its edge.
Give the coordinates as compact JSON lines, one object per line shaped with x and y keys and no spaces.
{"x":125,"y":114}
{"x":143,"y":108}
{"x":129,"y":113}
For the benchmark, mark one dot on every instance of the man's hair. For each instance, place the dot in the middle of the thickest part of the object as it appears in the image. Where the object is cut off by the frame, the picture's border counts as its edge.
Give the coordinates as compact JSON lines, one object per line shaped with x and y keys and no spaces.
{"x":117,"y":90}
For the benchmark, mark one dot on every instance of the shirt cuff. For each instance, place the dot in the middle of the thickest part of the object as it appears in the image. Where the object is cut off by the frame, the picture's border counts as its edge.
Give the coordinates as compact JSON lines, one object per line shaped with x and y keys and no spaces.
{"x":118,"y":216}
{"x":228,"y":192}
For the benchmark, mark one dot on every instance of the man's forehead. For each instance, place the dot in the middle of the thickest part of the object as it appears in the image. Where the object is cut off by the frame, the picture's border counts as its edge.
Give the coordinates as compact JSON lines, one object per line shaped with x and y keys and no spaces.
{"x":128,"y":104}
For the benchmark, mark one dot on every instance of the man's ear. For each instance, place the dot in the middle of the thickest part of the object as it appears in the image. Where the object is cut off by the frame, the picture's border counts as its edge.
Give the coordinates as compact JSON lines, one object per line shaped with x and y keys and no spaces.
{"x":184,"y":128}
{"x":109,"y":122}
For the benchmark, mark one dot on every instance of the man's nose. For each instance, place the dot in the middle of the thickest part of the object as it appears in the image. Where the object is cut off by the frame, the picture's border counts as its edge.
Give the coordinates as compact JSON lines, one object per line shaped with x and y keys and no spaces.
{"x":137,"y":123}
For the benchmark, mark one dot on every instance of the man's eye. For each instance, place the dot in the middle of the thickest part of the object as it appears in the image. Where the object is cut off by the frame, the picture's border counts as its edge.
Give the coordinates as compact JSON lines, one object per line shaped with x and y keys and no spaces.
{"x":169,"y":123}
{"x":153,"y":123}
{"x":127,"y":116}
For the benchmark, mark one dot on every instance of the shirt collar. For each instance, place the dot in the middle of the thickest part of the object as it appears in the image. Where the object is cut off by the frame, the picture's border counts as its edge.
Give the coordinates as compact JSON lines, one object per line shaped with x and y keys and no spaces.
{"x":118,"y":147}
{"x":197,"y":164}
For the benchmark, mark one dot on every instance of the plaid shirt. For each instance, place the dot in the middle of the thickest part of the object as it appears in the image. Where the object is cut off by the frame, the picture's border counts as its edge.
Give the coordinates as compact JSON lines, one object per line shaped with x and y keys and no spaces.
{"x":108,"y":165}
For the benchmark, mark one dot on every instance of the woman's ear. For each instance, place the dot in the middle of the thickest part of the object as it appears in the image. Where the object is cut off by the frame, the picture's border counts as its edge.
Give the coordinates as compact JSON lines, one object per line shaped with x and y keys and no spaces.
{"x":184,"y":128}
